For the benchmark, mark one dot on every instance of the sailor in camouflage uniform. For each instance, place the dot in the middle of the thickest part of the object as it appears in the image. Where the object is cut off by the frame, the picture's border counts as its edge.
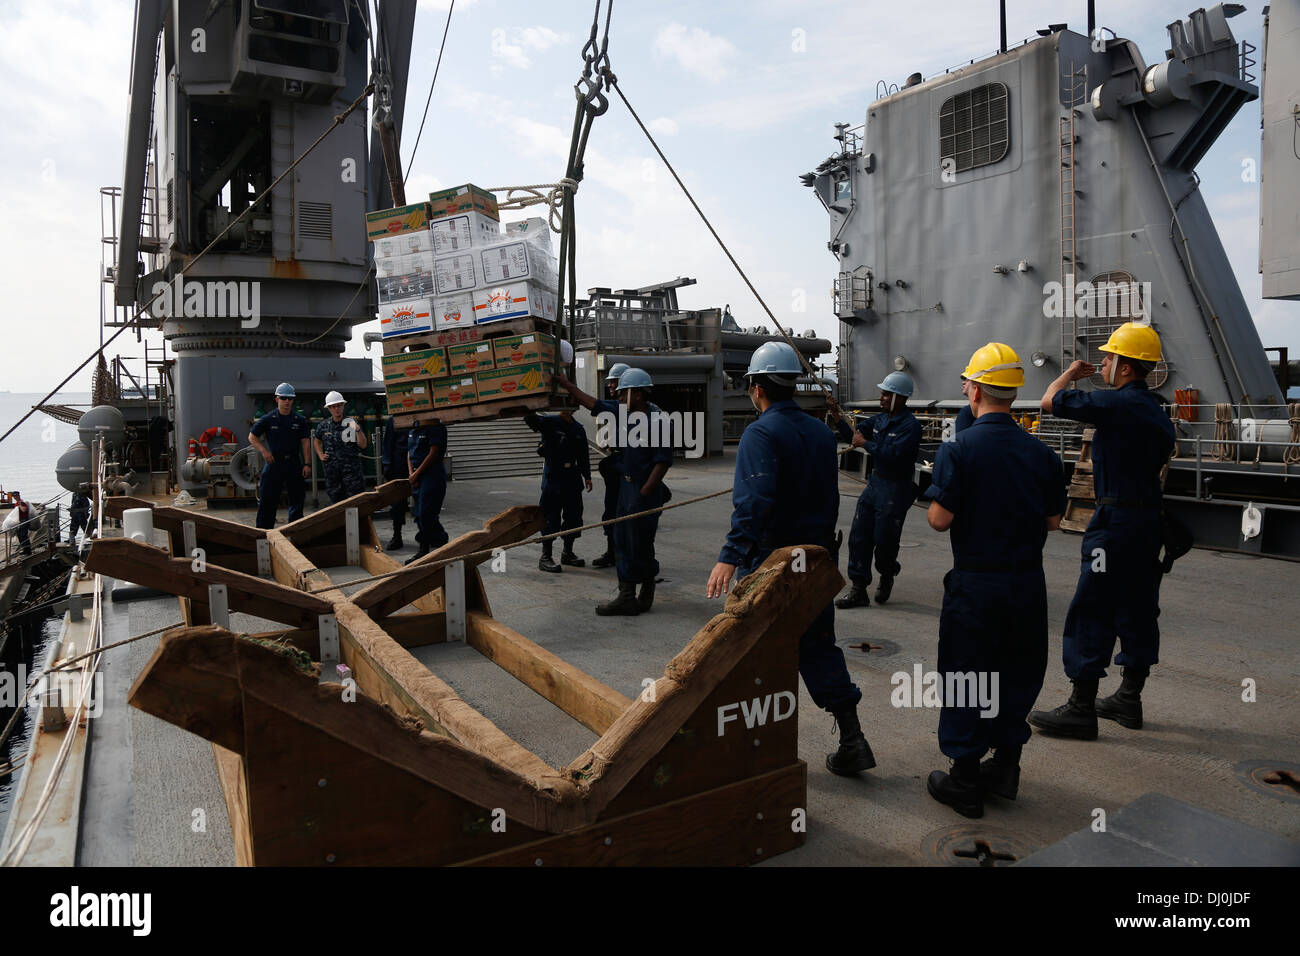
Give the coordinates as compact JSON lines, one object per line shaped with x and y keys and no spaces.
{"x":339,"y":442}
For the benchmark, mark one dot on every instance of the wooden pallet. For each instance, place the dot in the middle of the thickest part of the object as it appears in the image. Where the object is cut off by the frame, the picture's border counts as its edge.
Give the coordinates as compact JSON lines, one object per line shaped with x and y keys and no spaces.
{"x":402,"y":771}
{"x":1081,"y":498}
{"x":472,"y":333}
{"x":511,"y":407}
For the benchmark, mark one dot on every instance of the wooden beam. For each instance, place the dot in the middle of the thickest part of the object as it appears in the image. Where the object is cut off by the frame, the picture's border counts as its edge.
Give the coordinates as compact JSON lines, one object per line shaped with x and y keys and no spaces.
{"x":391,"y":594}
{"x":418,"y":629}
{"x":263,"y":705}
{"x":374,"y":560}
{"x":772,"y":603}
{"x":234,"y":785}
{"x":585,"y":699}
{"x":293,"y":569}
{"x":331,"y":517}
{"x":149,"y":566}
{"x":207,"y":527}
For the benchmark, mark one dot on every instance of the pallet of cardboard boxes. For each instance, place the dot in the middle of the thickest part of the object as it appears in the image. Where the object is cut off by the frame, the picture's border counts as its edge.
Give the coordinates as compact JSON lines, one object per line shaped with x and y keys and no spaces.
{"x":467,"y":311}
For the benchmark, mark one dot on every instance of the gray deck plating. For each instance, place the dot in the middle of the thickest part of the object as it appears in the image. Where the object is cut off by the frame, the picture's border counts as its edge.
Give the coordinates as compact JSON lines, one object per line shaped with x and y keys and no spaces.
{"x":1224,"y":620}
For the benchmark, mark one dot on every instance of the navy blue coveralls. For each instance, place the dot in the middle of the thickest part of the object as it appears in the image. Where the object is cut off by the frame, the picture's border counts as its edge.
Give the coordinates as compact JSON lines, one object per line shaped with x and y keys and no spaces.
{"x":893,"y":443}
{"x":1001,"y":484}
{"x":634,"y":541}
{"x":965,"y":419}
{"x":1132,"y":442}
{"x":392,"y":456}
{"x":283,"y":435}
{"x":431,"y":489}
{"x":568,"y":466}
{"x":786,"y":492}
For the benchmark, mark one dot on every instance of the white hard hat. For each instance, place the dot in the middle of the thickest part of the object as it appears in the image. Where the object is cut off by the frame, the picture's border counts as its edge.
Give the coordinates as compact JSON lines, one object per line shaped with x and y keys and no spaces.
{"x":334,"y":398}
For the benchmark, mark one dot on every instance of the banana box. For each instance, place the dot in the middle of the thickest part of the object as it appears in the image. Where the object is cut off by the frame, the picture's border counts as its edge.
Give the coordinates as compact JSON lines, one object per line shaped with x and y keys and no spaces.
{"x":421,"y":363}
{"x":393,"y":222}
{"x":512,"y":381}
{"x":524,"y":349}
{"x":407,"y":397}
{"x":458,"y":390}
{"x":470,"y":358}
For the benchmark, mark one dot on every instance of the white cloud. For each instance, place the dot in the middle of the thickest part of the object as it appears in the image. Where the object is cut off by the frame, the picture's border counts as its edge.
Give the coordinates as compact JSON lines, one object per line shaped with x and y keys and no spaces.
{"x":512,"y":46}
{"x":696,"y":50}
{"x":664,"y":126}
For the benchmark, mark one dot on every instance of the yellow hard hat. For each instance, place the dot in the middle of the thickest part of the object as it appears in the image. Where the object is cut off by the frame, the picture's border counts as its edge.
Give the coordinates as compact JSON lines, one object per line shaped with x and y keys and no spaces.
{"x":997,"y":365}
{"x":1136,"y":341}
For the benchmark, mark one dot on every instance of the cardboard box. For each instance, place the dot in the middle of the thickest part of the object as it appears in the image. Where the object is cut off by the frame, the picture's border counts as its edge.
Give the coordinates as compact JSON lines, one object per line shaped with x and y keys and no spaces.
{"x":534,"y":230}
{"x":407,"y":397}
{"x":523,"y":349}
{"x":402,"y":265}
{"x":458,"y":273}
{"x":453,"y":311}
{"x":413,"y":285}
{"x":511,"y":261}
{"x":515,"y":380}
{"x":405,"y":318}
{"x":513,"y":301}
{"x":458,"y":199}
{"x":414,"y":365}
{"x":393,"y":222}
{"x":453,"y":234}
{"x":470,"y":357}
{"x":459,"y":390}
{"x":403,"y":244}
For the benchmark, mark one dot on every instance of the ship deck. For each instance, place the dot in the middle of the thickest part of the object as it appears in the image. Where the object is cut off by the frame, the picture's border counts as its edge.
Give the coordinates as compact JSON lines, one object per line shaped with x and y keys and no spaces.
{"x":1226,"y":619}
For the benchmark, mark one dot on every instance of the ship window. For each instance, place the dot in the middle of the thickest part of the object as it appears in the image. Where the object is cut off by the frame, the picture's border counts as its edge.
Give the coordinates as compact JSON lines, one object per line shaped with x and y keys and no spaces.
{"x":973,"y":127}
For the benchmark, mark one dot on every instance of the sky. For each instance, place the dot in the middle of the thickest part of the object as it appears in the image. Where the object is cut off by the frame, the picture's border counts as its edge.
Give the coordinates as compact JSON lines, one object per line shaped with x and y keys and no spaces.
{"x":742,"y":96}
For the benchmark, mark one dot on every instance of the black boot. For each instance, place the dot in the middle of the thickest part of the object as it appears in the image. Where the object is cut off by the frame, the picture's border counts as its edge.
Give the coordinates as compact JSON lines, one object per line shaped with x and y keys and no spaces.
{"x":396,"y":543}
{"x":646,"y":597}
{"x":854,"y":755}
{"x":1125,"y":705}
{"x":418,"y":555}
{"x":572,"y":560}
{"x":961,"y":789}
{"x":884,"y":589}
{"x":856,"y":597}
{"x":624,"y":603}
{"x":1000,"y":774}
{"x":547,"y":563}
{"x":606,"y":560}
{"x":1076,"y":718}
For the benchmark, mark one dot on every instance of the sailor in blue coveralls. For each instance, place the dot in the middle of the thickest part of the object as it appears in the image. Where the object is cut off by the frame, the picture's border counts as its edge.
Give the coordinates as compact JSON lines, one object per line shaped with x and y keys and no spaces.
{"x":567,"y":469}
{"x":393,"y":458}
{"x":286,"y":451}
{"x":425,"y":450}
{"x":999,"y":491}
{"x":610,"y":473}
{"x":786,"y":492}
{"x":647,"y":456}
{"x":893,"y":439}
{"x":1119,"y":582}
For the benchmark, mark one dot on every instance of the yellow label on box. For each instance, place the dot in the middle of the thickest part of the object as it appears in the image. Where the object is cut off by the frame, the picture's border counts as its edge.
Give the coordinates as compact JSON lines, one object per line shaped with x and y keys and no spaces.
{"x":513,"y":380}
{"x":420,"y":363}
{"x":394,"y":222}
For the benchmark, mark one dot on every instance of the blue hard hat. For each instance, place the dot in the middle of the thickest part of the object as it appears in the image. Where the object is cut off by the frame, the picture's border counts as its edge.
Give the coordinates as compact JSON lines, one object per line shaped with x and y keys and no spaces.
{"x":616,"y":371}
{"x":285,"y":390}
{"x":900,"y":383}
{"x":776,"y":359}
{"x":635,"y":378}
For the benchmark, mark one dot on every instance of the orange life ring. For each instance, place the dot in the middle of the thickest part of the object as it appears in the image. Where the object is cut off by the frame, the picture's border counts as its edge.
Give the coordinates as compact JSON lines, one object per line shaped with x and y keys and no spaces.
{"x":216,"y":431}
